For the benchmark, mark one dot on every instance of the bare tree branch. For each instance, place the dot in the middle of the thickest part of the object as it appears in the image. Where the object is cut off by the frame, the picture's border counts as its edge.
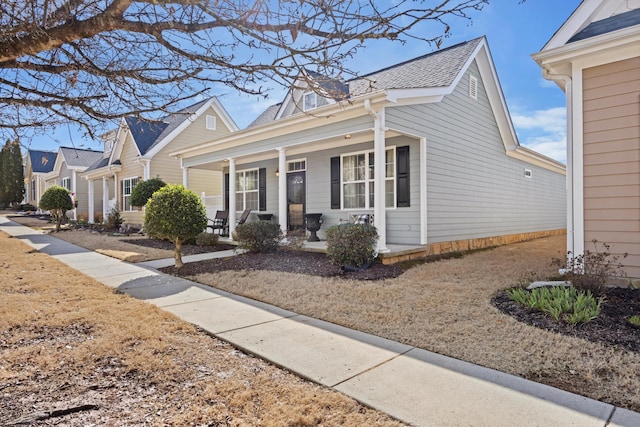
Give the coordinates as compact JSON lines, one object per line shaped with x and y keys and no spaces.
{"x":88,"y":61}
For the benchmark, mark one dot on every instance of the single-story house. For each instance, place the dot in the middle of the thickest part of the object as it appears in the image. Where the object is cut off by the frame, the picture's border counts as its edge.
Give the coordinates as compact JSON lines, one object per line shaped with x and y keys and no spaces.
{"x":425,"y":149}
{"x":69,"y":164}
{"x":595,"y":58}
{"x":37,"y":164}
{"x":139,"y":150}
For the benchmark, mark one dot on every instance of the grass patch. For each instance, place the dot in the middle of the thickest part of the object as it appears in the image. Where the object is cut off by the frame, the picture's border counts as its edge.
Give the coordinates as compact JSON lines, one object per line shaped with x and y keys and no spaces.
{"x":635,"y":320}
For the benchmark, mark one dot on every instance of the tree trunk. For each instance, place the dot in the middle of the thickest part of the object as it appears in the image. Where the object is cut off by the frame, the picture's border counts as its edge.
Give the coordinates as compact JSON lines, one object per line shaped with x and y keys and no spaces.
{"x":177,"y":253}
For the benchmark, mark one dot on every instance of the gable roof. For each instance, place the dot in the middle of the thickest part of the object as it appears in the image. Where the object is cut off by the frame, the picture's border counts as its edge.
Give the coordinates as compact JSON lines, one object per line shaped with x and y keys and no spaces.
{"x":608,"y":25}
{"x":436,"y":69}
{"x":79,"y":158}
{"x":266,"y":116}
{"x":144,"y":133}
{"x":42,"y":161}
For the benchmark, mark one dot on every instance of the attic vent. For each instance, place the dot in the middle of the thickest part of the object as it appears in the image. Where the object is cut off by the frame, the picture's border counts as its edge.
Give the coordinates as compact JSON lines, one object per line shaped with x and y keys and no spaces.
{"x":527,"y":173}
{"x":473,"y":87}
{"x":211,"y":122}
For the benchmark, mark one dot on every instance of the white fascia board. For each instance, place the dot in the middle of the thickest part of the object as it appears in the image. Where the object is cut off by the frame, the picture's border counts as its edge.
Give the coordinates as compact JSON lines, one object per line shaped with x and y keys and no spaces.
{"x":102,"y":172}
{"x":418,"y":96}
{"x":121,"y":137}
{"x":282,"y":126}
{"x":527,"y":155}
{"x":580,"y":18}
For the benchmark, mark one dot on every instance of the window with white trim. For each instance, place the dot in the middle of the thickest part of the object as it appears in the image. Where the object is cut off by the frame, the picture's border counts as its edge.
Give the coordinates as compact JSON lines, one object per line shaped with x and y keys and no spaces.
{"x":247,"y":190}
{"x":309,"y":101}
{"x":297,"y":165}
{"x":357,"y":179}
{"x":127,"y":188}
{"x":66,"y":183}
{"x":211,"y":122}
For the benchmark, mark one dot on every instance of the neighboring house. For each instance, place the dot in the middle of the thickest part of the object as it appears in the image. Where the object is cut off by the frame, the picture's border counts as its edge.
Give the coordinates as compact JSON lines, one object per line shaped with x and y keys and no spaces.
{"x":37,"y":164}
{"x":595,"y":58}
{"x":69,"y":164}
{"x":139,"y":150}
{"x":426,"y":147}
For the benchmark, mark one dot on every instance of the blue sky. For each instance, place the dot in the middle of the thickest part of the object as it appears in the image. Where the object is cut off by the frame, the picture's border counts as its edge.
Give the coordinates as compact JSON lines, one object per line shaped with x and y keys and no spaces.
{"x":514,"y":31}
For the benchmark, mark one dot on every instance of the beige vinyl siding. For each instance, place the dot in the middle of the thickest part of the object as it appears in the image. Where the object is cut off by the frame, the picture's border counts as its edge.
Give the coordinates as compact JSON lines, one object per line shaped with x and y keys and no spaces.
{"x":130,"y":169}
{"x":611,"y":104}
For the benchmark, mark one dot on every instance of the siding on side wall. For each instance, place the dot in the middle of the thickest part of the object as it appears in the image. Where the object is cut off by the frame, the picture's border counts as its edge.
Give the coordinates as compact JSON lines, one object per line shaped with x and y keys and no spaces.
{"x":611,"y":100}
{"x":130,"y":169}
{"x":473,"y":189}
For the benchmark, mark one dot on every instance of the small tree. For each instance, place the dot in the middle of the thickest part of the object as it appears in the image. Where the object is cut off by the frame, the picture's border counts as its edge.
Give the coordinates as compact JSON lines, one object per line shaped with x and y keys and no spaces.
{"x":143,"y":191}
{"x":57,"y":201}
{"x":176,"y":214}
{"x":11,"y":174}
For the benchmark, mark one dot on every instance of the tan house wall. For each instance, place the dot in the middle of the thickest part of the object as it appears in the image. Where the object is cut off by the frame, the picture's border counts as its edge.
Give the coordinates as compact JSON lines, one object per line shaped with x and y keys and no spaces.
{"x":611,"y":96}
{"x":130,"y":169}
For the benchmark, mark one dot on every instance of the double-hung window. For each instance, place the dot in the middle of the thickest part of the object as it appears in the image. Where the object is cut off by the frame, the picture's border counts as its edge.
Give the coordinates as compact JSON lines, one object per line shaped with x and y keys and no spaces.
{"x":127,"y":187}
{"x":309,"y":101}
{"x":247,"y":189}
{"x":66,"y":183}
{"x":357,"y":180}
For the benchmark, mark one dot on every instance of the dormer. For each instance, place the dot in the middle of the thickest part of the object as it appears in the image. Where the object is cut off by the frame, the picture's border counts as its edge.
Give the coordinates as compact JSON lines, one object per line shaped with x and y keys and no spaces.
{"x":108,"y":141}
{"x":310,"y":91}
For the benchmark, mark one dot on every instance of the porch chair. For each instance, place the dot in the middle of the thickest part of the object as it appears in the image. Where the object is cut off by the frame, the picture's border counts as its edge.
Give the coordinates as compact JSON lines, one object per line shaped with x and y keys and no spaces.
{"x":243,"y":217}
{"x":220,"y":223}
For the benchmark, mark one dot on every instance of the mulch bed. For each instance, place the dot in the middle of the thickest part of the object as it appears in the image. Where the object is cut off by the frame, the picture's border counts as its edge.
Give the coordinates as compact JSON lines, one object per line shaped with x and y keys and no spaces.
{"x":311,"y":263}
{"x":186,"y":248}
{"x":611,"y":327}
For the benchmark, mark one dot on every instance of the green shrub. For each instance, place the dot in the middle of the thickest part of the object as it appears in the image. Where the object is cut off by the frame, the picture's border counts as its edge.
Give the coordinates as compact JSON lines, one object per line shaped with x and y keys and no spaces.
{"x":57,"y":201}
{"x":351,"y":244}
{"x":143,"y":190}
{"x":635,"y":320}
{"x":567,"y":304}
{"x":28,"y":207}
{"x":259,"y":236}
{"x":207,"y":239}
{"x":176,"y":214}
{"x":114,"y":219}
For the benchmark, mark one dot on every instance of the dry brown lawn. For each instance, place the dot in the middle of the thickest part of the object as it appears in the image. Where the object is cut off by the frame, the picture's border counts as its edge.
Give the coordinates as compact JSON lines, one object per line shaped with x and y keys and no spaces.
{"x":73,"y":352}
{"x":445,"y":307}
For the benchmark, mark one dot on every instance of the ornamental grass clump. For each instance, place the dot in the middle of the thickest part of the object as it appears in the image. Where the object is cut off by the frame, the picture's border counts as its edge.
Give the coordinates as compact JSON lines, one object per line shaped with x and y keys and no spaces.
{"x":351,"y":245}
{"x":566,"y":304}
{"x":176,"y":214}
{"x":258,"y":236}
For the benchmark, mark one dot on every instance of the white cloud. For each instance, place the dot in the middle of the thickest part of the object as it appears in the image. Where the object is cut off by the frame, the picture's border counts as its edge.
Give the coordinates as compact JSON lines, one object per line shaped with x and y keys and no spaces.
{"x":543,"y":131}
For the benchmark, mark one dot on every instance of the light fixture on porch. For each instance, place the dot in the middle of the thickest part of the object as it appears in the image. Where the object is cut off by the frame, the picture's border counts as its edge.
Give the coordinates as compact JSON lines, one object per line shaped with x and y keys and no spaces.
{"x":277,"y":172}
{"x":347,"y":136}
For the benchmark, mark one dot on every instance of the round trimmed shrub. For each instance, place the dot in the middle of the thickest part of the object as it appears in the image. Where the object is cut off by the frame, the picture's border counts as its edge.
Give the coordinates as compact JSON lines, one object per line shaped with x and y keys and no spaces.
{"x":351,"y":244}
{"x":259,"y":236}
{"x":207,"y":239}
{"x":143,"y":191}
{"x":176,"y":214}
{"x":57,"y":201}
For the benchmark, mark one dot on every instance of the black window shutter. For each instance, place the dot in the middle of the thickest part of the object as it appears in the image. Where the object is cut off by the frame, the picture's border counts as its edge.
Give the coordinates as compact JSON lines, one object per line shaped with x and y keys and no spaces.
{"x":226,"y":191}
{"x":402,"y":177}
{"x":335,"y":183}
{"x":262,"y":189}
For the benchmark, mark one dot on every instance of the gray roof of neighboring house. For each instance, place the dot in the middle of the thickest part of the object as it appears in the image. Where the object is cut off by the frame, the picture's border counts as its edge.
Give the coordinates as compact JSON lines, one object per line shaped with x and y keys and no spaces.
{"x":267,"y":116}
{"x":42,"y":161}
{"x":436,"y":69}
{"x":80,"y":157}
{"x":608,"y":25}
{"x":148,"y":134}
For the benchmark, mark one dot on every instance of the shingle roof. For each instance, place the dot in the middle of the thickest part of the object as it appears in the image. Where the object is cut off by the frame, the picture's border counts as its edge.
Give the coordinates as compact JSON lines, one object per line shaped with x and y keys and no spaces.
{"x":436,"y":69}
{"x":608,"y":25}
{"x":148,"y":134}
{"x":80,"y":157}
{"x":267,"y":116}
{"x":42,"y":161}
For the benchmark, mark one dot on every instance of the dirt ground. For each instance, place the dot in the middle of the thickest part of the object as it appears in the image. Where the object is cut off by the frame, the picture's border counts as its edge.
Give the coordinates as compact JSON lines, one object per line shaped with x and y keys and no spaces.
{"x":74,"y":353}
{"x":446,"y":307}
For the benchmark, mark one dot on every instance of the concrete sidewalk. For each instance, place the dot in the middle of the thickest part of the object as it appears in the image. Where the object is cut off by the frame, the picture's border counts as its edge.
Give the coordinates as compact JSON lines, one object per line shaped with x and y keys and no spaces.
{"x":411,"y":384}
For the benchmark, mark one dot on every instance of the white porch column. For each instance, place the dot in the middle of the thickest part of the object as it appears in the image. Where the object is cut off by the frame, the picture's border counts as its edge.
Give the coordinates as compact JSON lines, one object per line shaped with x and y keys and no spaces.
{"x":146,"y":172}
{"x":105,"y":198}
{"x":379,"y":210}
{"x":74,"y":190}
{"x":232,"y":195}
{"x":91,"y":201}
{"x":282,"y":190}
{"x":185,"y":177}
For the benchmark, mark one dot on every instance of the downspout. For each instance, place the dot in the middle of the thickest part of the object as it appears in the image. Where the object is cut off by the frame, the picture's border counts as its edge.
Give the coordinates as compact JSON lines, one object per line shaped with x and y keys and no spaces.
{"x":568,"y":84}
{"x":379,"y":210}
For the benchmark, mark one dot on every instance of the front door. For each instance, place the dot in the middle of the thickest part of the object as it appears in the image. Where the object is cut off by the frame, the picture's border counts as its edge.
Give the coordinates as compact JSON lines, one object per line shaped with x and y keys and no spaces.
{"x":296,"y":200}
